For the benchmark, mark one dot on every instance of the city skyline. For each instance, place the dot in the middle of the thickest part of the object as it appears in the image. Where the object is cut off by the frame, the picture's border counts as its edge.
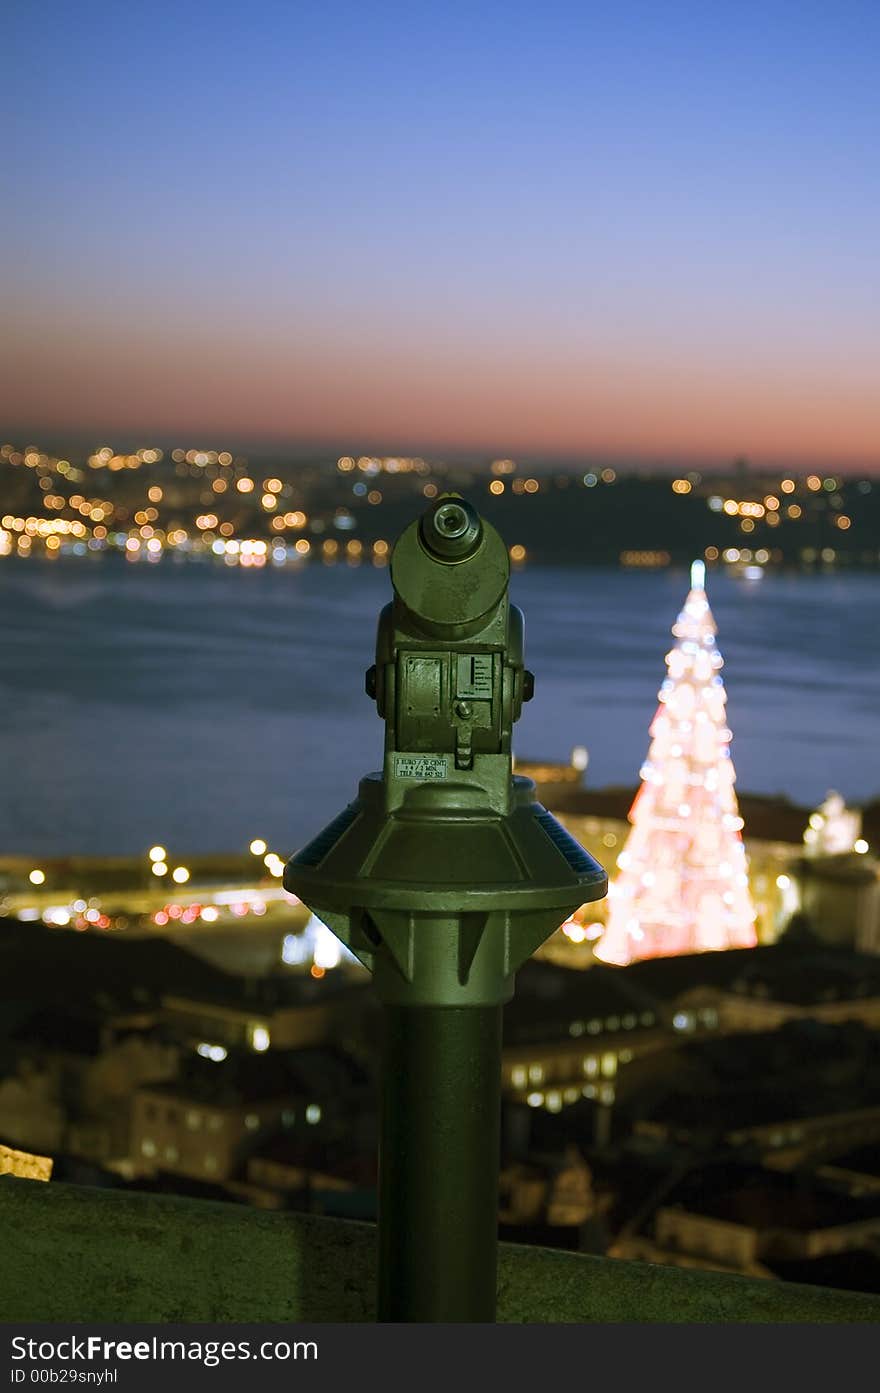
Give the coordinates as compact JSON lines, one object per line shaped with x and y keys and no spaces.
{"x":641,"y":234}
{"x":367,"y":372}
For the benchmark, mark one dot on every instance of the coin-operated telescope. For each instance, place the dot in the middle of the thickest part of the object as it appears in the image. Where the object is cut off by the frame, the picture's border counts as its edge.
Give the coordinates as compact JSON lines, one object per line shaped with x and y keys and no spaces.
{"x":442,"y":877}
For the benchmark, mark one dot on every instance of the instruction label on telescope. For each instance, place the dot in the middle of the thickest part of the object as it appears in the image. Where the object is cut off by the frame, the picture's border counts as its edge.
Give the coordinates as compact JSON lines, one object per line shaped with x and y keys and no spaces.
{"x":474,"y":675}
{"x":422,"y":767}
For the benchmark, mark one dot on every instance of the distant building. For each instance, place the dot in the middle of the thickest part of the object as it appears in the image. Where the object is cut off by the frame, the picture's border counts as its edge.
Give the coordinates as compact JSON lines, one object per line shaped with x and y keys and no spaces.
{"x":100,"y":1063}
{"x":77,"y":1040}
{"x":203,"y":1125}
{"x":284,"y":1013}
{"x":552,"y":1190}
{"x":285,"y":1170}
{"x":747,"y":1220}
{"x":764,"y":989}
{"x":840,"y":898}
{"x":75,"y":1078}
{"x":600,"y":1036}
{"x":856,"y":1169}
{"x":788,"y":1096}
{"x":568,"y":1035}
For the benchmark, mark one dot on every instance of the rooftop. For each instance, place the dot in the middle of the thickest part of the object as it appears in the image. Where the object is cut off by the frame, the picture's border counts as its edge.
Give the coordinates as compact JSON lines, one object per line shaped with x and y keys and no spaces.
{"x":121,"y":972}
{"x":111,"y":972}
{"x":855,"y":1270}
{"x":769,"y":1200}
{"x":549,"y":998}
{"x":806,"y":1069}
{"x":247,"y":1077}
{"x":796,"y":973}
{"x":862,"y":1160}
{"x":805,"y":976}
{"x":766,"y":818}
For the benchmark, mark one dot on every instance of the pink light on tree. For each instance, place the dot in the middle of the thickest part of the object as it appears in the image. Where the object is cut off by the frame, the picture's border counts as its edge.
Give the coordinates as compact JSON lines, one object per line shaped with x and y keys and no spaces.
{"x":683,"y":881}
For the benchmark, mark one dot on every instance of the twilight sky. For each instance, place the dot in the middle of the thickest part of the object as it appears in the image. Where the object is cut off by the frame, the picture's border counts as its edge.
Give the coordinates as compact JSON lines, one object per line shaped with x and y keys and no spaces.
{"x":635,"y":230}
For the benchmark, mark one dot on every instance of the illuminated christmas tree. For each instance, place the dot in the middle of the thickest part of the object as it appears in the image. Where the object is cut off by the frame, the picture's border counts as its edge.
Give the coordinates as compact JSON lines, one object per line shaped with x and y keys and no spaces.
{"x":683,"y":883}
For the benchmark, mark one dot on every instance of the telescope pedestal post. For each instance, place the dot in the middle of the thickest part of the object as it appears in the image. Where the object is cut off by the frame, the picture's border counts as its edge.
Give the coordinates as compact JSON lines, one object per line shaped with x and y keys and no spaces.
{"x":438,"y":1163}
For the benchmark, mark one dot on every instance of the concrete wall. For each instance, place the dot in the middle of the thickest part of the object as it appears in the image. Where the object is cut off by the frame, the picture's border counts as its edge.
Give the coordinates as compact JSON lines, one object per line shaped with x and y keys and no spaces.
{"x":76,"y":1254}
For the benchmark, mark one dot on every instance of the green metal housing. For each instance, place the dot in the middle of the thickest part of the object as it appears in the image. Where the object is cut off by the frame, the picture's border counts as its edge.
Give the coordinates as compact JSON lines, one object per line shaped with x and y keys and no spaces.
{"x":443,"y":876}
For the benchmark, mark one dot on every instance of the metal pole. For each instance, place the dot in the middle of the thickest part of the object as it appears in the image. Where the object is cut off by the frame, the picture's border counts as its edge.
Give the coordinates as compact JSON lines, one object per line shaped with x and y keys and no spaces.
{"x":438,"y":1163}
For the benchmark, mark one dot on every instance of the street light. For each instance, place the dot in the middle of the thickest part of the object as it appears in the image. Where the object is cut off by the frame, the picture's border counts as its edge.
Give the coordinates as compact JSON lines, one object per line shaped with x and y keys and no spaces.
{"x":442,"y":877}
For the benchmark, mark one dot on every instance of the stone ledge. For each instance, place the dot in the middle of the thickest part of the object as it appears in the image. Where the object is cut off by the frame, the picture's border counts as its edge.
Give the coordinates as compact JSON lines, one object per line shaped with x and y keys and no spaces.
{"x":71,"y":1253}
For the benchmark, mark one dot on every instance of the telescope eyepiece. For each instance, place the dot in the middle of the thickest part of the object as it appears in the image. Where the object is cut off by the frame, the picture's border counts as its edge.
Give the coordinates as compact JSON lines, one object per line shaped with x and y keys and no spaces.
{"x":451,"y":529}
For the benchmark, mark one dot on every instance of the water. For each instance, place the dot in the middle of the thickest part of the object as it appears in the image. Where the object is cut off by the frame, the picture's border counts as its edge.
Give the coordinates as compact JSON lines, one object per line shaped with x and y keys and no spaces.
{"x":200,"y":707}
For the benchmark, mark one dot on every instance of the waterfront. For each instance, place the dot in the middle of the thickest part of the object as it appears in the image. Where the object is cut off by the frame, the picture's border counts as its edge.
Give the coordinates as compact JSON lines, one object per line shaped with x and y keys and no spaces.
{"x":200,"y":707}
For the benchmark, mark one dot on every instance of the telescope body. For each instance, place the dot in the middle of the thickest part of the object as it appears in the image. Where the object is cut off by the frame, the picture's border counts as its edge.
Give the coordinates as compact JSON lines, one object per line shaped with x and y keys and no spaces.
{"x":443,"y":876}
